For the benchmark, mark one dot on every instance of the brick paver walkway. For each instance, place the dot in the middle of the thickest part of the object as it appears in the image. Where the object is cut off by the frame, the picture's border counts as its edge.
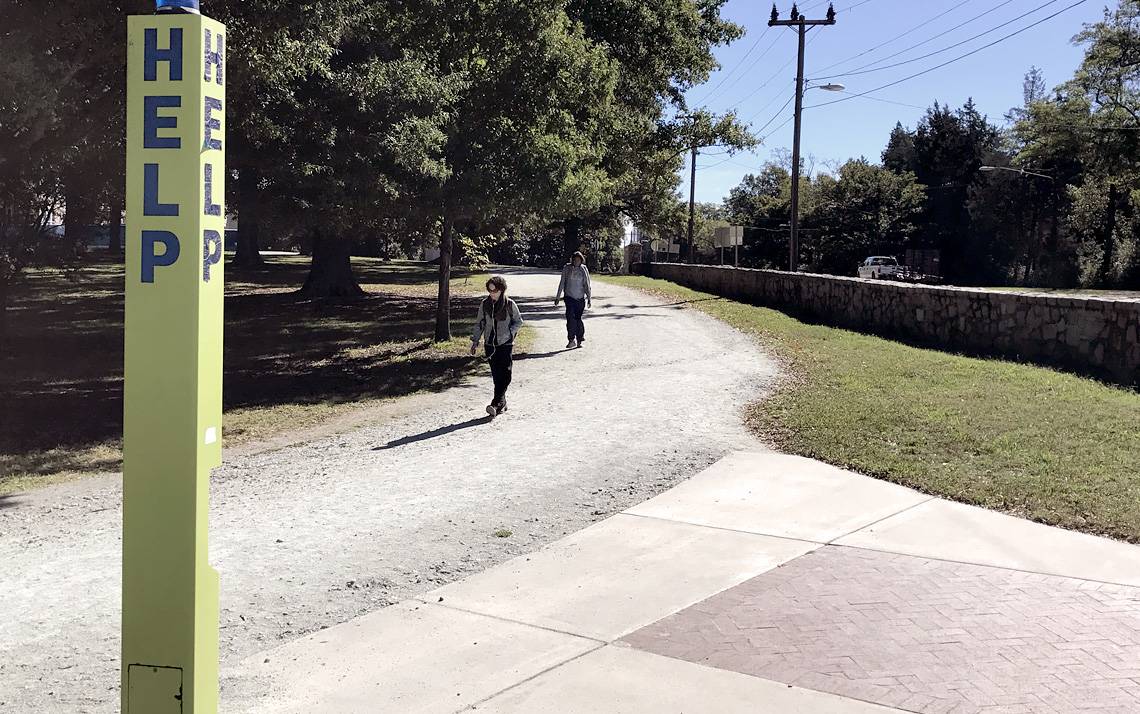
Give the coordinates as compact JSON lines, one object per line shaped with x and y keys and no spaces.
{"x":922,"y":635}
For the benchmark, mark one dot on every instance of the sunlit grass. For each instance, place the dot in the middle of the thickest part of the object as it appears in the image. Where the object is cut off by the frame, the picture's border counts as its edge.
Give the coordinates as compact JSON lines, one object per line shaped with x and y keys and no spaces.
{"x":1027,"y":440}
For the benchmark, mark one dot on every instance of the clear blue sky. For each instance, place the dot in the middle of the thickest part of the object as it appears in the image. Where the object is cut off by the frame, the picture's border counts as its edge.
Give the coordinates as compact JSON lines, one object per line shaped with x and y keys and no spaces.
{"x":759,"y":84}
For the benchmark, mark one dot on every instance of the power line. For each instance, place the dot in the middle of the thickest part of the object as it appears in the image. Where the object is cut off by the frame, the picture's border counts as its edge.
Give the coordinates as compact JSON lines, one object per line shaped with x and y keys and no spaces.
{"x":777,"y":114}
{"x":863,"y":69}
{"x":864,"y":2}
{"x":775,"y":98}
{"x":722,"y":161}
{"x":951,"y":61}
{"x":713,"y":94}
{"x":1087,"y":127}
{"x":713,"y":91}
{"x":899,"y":36}
{"x":884,"y":101}
{"x":743,"y":74}
{"x":770,"y":79}
{"x":781,"y":125}
{"x":940,"y":34}
{"x":813,"y":6}
{"x":746,"y":166}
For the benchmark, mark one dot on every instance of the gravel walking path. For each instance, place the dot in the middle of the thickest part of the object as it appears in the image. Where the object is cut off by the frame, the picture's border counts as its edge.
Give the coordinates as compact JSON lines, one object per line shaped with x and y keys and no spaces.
{"x":423,"y":493}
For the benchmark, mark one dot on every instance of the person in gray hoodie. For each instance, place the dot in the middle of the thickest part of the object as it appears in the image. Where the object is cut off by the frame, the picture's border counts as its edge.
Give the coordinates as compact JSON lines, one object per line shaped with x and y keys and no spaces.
{"x":498,"y":323}
{"x":575,"y":283}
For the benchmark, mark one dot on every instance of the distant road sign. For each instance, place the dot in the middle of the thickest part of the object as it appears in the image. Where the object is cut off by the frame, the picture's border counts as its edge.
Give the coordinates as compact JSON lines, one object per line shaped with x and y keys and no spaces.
{"x":728,"y":236}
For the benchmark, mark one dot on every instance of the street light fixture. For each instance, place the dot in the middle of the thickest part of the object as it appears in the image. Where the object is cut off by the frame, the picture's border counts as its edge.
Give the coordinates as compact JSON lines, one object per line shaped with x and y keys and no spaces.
{"x":1011,"y":169}
{"x":801,"y":87}
{"x":177,"y":6}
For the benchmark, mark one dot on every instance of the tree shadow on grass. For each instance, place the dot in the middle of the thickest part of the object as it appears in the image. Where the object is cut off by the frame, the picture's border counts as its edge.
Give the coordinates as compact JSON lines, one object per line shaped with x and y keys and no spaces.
{"x":61,"y":385}
{"x":289,"y":273}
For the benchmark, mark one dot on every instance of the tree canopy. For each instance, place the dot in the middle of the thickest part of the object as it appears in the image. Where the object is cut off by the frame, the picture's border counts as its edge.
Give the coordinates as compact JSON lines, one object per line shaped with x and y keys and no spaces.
{"x":1051,"y":198}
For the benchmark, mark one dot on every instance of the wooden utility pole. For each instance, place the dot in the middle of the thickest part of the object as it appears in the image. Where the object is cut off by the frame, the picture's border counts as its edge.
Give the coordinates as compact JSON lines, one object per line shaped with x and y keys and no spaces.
{"x":692,"y":201}
{"x":801,"y":23}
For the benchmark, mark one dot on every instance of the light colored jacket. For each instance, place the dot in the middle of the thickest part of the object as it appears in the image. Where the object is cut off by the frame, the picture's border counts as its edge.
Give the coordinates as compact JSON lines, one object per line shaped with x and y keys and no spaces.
{"x":497,"y":332}
{"x":575,"y":282}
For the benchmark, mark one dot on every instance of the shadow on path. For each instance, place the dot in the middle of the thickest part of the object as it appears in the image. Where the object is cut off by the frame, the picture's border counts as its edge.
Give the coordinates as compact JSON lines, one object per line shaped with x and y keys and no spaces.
{"x":540,"y":355}
{"x":674,"y":304}
{"x":433,"y":433}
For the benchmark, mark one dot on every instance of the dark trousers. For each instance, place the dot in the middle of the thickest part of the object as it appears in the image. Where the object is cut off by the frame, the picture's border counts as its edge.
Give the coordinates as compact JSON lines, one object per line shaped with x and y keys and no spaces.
{"x":575,"y":328}
{"x":501,"y":364}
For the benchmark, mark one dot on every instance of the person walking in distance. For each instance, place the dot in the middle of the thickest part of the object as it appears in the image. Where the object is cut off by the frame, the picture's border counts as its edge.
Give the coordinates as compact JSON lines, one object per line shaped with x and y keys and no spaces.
{"x":498,"y":323}
{"x":575,"y":283}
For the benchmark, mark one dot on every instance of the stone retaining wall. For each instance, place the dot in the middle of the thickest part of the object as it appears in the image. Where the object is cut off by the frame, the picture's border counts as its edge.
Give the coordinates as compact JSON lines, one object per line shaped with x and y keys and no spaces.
{"x":1089,"y":335}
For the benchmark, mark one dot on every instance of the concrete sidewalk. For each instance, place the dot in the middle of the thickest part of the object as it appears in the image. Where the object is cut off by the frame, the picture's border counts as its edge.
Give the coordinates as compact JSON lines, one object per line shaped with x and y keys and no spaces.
{"x":767,"y":583}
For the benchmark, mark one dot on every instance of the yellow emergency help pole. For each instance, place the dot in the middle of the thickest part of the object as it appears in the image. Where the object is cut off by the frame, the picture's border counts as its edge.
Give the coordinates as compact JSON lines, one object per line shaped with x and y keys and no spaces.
{"x":173,"y":357}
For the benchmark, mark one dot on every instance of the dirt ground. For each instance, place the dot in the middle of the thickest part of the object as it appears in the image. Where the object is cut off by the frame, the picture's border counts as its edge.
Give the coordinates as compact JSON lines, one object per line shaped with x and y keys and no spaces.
{"x":415,"y":493}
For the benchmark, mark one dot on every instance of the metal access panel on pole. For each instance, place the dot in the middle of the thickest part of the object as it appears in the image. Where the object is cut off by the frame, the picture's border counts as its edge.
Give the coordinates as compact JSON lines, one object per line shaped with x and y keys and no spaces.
{"x":173,"y":358}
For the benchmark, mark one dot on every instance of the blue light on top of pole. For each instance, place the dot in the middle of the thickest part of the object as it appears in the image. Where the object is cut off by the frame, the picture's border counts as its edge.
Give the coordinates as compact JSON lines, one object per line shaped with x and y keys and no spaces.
{"x":176,"y":6}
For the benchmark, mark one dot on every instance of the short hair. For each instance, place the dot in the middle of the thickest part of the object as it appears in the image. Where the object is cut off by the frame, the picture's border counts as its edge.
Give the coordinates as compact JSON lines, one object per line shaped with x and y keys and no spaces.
{"x":579,"y":256}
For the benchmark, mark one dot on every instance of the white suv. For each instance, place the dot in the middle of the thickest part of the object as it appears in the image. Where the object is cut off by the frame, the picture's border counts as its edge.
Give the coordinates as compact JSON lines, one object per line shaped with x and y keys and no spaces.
{"x":879,"y":266}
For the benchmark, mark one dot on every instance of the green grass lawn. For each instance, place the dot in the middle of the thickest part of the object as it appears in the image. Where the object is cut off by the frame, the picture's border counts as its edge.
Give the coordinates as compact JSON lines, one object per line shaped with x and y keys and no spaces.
{"x":1030,"y":441}
{"x":290,"y":364}
{"x":1074,"y":292}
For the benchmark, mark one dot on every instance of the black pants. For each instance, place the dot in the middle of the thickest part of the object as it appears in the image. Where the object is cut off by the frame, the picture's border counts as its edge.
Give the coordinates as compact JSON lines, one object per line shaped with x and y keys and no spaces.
{"x":575,"y":328}
{"x":501,"y":364}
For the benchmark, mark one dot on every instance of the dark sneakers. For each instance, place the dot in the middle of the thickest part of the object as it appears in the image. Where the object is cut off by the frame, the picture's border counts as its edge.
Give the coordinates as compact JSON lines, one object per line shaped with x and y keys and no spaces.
{"x":497,"y":407}
{"x":581,"y":342}
{"x":570,"y":343}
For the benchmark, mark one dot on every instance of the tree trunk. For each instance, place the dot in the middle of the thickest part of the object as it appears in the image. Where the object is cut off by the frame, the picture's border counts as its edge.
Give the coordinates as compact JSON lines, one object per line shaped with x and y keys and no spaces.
{"x":1109,"y":229}
{"x":1054,"y":229}
{"x":1034,"y":244}
{"x":76,"y":217}
{"x":331,"y":271}
{"x":443,"y":304}
{"x":249,"y":220}
{"x":5,"y":281}
{"x":456,"y":250}
{"x":248,"y":254}
{"x":572,"y":237}
{"x":115,"y":237}
{"x":249,"y":224}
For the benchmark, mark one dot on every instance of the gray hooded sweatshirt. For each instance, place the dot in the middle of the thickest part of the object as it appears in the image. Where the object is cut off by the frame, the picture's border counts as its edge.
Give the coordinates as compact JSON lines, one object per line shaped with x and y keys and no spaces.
{"x":575,"y":282}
